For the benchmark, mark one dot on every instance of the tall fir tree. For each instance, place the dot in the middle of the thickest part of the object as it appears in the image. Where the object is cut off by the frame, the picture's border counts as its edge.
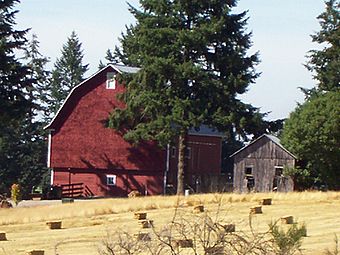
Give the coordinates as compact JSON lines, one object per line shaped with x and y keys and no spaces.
{"x":20,"y":155}
{"x":194,"y":64}
{"x":68,"y":71}
{"x":40,"y":92}
{"x":325,"y":63}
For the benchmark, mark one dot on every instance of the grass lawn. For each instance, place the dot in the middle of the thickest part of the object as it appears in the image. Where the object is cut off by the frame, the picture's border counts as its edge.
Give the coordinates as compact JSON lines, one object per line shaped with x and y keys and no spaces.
{"x":86,"y":223}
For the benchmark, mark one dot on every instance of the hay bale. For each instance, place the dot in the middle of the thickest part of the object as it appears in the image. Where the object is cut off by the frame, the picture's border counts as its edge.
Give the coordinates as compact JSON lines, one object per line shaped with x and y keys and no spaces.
{"x":140,"y":215}
{"x":198,"y":209}
{"x":216,"y":250}
{"x":146,"y":223}
{"x":143,"y":236}
{"x":266,"y":201}
{"x":256,"y":209}
{"x":54,"y":224}
{"x":67,"y":200}
{"x":134,"y":193}
{"x":35,"y":252}
{"x":229,"y":228}
{"x":3,"y":236}
{"x":289,"y":219}
{"x":183,"y":243}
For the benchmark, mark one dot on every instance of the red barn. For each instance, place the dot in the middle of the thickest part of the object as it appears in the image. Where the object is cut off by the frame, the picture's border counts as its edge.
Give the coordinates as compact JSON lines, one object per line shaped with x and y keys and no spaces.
{"x":93,"y":160}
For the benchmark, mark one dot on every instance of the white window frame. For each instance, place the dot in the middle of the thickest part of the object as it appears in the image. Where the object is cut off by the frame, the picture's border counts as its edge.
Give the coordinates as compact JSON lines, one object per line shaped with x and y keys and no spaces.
{"x":111,"y":180}
{"x":111,"y":81}
{"x":188,"y":152}
{"x":276,"y":168}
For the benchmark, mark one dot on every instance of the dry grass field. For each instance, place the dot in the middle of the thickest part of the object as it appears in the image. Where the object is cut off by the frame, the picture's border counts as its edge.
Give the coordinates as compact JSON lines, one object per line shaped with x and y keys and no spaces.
{"x":86,"y":223}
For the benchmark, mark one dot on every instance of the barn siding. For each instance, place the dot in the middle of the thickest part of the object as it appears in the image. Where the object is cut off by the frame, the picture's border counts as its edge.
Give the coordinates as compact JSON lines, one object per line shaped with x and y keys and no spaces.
{"x":82,"y":141}
{"x":94,"y":182}
{"x":262,"y":156}
{"x":205,"y":158}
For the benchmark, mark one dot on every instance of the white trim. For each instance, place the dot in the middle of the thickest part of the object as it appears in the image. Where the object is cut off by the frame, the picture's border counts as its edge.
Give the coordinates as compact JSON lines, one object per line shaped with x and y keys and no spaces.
{"x":115,"y":67}
{"x":49,"y":149}
{"x":114,"y":179}
{"x":52,"y":177}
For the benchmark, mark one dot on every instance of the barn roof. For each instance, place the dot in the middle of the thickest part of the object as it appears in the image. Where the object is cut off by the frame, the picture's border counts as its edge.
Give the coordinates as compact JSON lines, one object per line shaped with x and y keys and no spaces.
{"x":272,"y":138}
{"x":119,"y":68}
{"x":206,"y":131}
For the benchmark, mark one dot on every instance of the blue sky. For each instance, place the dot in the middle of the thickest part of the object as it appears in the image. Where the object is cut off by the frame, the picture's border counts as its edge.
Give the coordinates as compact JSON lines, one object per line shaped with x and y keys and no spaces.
{"x":281,"y":34}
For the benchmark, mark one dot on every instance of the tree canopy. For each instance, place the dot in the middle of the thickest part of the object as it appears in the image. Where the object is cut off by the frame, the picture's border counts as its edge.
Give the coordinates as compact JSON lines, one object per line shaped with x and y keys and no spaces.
{"x":194,"y":64}
{"x":312,"y":133}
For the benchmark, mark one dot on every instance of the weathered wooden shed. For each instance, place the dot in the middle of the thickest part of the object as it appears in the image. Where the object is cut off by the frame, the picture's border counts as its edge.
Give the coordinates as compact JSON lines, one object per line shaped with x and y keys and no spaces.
{"x":259,"y":166}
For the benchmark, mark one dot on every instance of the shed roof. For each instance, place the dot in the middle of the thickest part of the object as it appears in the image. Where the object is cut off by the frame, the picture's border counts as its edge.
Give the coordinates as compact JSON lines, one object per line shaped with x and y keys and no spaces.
{"x":272,"y":138}
{"x":119,"y":68}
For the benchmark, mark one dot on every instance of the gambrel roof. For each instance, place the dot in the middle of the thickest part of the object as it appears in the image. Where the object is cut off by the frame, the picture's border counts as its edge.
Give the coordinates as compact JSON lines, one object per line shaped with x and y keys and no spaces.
{"x":119,"y":68}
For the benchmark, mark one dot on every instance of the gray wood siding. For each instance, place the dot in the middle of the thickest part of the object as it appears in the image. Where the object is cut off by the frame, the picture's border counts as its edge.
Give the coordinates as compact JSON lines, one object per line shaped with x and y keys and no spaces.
{"x":263,"y":156}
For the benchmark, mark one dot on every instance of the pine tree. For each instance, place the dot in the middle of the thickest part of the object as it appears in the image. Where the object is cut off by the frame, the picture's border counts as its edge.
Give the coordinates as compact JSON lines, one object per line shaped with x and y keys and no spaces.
{"x":325,"y":63}
{"x":194,"y":64}
{"x":13,"y":81}
{"x":68,"y":71}
{"x":40,"y":93}
{"x":20,"y":155}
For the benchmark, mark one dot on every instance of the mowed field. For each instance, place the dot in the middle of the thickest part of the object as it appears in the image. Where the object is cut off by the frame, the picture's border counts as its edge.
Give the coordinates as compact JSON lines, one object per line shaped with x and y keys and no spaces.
{"x":86,"y":223}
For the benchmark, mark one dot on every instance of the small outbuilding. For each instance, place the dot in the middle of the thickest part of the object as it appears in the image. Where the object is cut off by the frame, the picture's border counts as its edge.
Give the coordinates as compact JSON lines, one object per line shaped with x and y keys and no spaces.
{"x":259,"y":166}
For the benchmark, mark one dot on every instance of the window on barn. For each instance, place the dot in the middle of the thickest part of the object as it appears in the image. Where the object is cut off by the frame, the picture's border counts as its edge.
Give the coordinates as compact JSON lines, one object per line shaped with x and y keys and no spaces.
{"x":111,"y":180}
{"x":187,"y":153}
{"x":248,"y":170}
{"x":173,"y":152}
{"x":111,"y":81}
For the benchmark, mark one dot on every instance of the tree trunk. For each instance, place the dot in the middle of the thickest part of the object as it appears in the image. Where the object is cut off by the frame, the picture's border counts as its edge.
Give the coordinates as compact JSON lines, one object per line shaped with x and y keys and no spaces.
{"x":180,"y":166}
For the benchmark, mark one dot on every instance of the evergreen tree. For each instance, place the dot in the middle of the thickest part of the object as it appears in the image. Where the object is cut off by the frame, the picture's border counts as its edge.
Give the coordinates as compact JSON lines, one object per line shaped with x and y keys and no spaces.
{"x":194,"y":64}
{"x":13,"y":75}
{"x":109,"y":58}
{"x":20,"y":154}
{"x":40,"y":93}
{"x":68,"y":71}
{"x":325,"y":63}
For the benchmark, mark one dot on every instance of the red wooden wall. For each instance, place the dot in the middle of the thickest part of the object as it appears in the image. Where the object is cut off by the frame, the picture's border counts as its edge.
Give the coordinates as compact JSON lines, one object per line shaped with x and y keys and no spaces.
{"x":83,"y":150}
{"x":82,"y":145}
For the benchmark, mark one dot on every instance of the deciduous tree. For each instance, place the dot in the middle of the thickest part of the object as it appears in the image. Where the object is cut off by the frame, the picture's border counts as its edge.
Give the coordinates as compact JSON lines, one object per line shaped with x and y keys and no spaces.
{"x":312,"y":133}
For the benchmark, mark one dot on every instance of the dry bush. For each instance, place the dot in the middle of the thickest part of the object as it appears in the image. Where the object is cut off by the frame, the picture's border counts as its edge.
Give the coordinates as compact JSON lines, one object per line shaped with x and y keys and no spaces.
{"x":336,"y":250}
{"x":190,"y":233}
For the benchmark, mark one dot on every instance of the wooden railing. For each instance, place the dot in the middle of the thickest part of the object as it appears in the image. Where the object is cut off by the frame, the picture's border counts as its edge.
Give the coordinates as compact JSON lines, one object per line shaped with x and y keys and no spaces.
{"x":72,"y":190}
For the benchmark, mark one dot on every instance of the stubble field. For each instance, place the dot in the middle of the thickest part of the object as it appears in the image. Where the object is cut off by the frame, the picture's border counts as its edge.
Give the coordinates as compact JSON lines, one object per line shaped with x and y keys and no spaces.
{"x":85,"y":224}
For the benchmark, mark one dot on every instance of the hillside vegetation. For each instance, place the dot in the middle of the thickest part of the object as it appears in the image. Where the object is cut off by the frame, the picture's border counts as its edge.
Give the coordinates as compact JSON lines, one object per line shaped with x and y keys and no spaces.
{"x":85,"y":224}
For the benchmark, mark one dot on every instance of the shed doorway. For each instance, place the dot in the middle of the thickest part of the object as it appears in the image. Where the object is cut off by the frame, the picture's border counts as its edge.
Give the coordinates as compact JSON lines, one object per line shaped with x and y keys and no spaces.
{"x":278,"y":174}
